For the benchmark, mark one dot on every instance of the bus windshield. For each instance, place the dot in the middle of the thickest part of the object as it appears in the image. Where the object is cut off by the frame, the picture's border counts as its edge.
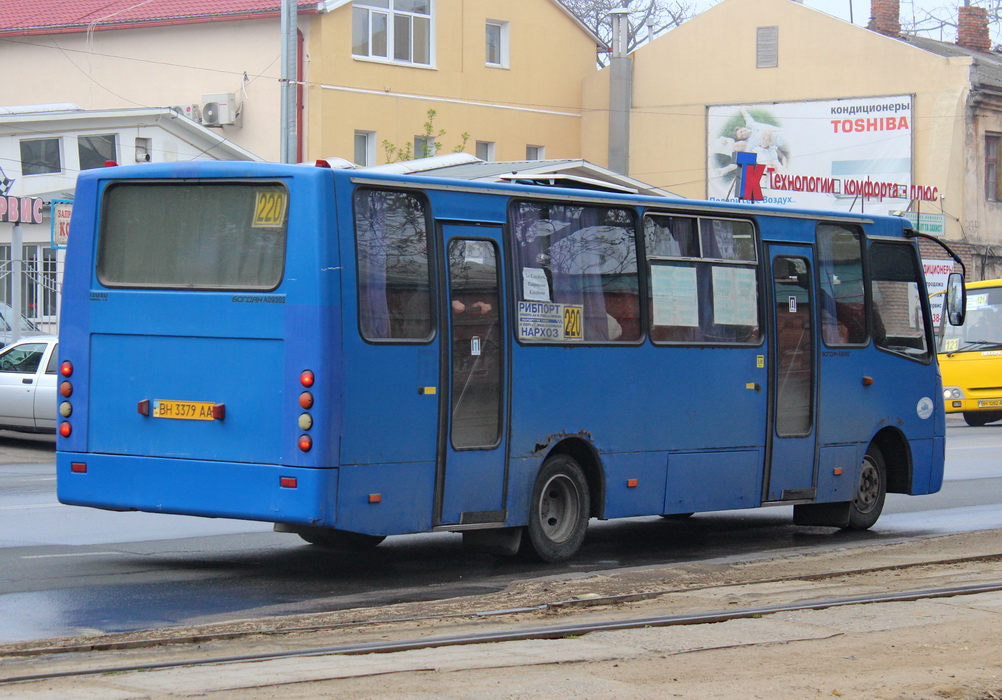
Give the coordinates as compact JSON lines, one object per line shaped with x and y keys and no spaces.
{"x":982,"y":330}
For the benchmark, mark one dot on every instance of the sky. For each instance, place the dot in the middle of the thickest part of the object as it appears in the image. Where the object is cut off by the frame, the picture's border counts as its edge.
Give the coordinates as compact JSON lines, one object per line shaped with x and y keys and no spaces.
{"x":860,"y":11}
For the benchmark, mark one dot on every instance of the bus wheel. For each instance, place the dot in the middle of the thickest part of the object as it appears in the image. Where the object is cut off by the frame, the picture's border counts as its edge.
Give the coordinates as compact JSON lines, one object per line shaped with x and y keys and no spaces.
{"x":868,"y":502}
{"x":978,"y":418}
{"x":340,"y":539}
{"x":558,"y":514}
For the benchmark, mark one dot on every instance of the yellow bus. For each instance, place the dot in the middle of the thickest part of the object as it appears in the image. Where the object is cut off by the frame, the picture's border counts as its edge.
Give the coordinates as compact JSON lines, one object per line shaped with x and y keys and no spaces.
{"x":970,"y":356}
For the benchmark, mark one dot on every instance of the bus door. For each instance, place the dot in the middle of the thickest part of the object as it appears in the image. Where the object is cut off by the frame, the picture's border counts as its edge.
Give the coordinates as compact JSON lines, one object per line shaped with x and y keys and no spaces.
{"x":470,"y":475}
{"x":790,"y":470}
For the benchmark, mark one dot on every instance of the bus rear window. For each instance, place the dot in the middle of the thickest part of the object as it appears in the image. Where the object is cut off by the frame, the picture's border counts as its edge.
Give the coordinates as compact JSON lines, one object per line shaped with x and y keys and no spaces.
{"x":202,"y":235}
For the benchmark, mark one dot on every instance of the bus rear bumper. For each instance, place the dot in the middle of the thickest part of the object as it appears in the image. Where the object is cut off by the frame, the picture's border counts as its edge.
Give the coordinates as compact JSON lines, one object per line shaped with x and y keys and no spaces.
{"x":265,"y":492}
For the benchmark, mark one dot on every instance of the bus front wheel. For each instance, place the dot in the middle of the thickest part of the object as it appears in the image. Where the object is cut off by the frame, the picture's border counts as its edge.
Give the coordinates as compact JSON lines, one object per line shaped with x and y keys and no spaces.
{"x":979,"y":418}
{"x":868,"y":502}
{"x":558,"y":513}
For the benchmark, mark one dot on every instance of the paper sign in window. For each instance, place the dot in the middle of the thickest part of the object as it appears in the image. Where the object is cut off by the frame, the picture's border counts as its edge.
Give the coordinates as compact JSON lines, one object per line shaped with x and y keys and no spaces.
{"x":535,"y":286}
{"x":735,"y":302}
{"x":674,"y":296}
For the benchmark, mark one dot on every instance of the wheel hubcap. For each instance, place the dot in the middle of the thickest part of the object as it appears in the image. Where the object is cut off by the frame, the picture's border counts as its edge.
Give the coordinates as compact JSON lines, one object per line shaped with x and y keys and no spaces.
{"x":558,"y":508}
{"x":869,"y":486}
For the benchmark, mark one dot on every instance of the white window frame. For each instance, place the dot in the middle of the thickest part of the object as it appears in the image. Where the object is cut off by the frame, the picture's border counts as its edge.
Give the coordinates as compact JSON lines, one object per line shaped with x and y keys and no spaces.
{"x":423,"y":144}
{"x":502,"y":32}
{"x":385,"y":9}
{"x":370,"y":147}
{"x":540,"y":152}
{"x":486,"y":150}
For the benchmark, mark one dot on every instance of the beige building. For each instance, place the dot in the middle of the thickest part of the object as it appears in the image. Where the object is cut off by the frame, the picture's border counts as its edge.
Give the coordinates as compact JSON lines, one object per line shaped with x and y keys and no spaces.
{"x":816,"y":75}
{"x":508,"y":74}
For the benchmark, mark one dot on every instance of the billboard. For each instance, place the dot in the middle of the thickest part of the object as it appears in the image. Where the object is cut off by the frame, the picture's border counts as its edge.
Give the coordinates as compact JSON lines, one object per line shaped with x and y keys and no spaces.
{"x":837,"y":155}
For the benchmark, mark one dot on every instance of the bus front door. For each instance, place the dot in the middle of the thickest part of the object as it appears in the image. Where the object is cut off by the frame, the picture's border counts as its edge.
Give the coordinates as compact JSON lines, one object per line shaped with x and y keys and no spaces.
{"x":470,"y":474}
{"x":790,"y":470}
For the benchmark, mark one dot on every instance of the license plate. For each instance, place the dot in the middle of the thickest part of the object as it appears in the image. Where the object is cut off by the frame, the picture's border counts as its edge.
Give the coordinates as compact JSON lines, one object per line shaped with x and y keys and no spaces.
{"x":989,"y":403}
{"x":183,"y":410}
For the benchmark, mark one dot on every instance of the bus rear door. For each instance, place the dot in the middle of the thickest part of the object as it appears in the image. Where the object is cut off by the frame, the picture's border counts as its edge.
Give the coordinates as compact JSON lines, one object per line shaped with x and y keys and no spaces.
{"x":790,"y":472}
{"x":470,"y":475}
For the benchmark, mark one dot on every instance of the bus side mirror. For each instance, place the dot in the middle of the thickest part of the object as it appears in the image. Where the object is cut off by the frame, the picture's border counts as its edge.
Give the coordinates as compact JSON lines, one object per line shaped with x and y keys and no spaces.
{"x":956,"y":299}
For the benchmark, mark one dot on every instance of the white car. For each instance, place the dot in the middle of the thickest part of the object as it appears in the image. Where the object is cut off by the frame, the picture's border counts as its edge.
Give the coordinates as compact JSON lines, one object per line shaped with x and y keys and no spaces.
{"x":7,"y":325}
{"x":28,"y":378}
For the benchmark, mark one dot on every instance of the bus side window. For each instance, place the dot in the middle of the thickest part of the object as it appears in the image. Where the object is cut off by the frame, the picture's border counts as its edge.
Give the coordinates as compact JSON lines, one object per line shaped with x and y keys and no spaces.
{"x":703,"y":286}
{"x":582,"y":259}
{"x":843,"y":299}
{"x":394,"y":280}
{"x":899,"y":323}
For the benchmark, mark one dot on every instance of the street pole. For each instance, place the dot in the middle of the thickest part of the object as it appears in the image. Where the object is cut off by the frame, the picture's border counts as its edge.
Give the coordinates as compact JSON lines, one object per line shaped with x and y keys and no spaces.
{"x":290,"y":54}
{"x":16,"y":280}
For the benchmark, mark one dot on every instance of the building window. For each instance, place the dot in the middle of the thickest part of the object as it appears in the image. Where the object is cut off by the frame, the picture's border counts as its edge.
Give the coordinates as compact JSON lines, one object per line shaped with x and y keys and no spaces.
{"x":535,"y":152}
{"x":497,"y":44}
{"x":485,"y":150}
{"x":992,"y":192}
{"x":40,"y":156}
{"x":97,"y":150}
{"x":392,"y":30}
{"x":425,"y":147}
{"x":767,"y":47}
{"x":365,"y":148}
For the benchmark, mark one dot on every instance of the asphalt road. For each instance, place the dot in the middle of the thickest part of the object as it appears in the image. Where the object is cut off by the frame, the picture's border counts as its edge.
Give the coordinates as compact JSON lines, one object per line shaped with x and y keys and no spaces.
{"x":67,"y":570}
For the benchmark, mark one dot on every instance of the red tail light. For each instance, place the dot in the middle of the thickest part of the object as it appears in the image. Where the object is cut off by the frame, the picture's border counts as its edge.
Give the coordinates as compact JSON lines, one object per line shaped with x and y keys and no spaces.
{"x":306,"y":378}
{"x":305,"y":443}
{"x":66,"y":369}
{"x":65,"y":429}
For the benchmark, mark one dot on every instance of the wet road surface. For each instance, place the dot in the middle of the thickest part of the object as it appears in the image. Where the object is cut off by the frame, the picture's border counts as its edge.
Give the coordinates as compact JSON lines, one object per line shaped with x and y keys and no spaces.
{"x":67,"y":570}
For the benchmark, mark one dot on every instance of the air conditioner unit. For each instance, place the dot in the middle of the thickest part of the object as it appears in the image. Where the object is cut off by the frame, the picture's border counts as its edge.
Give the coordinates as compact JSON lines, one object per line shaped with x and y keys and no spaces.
{"x":193,"y":112}
{"x":219,"y":110}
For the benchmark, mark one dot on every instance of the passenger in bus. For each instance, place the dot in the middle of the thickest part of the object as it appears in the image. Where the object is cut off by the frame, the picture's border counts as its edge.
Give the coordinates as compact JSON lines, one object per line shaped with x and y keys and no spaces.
{"x":477,"y":308}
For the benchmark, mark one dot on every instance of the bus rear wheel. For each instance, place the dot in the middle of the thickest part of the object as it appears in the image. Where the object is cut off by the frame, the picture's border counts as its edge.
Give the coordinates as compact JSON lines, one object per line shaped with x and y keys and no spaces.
{"x":329,"y":538}
{"x":559,"y":511}
{"x":979,"y":418}
{"x":868,"y":501}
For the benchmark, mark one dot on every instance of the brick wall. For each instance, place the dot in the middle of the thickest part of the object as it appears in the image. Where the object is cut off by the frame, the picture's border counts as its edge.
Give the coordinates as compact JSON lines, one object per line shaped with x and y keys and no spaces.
{"x":885,"y":16}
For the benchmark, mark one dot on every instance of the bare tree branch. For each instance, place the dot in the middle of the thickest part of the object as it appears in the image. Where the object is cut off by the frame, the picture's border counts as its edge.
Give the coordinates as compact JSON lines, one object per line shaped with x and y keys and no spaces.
{"x":941,"y":22}
{"x":659,"y":15}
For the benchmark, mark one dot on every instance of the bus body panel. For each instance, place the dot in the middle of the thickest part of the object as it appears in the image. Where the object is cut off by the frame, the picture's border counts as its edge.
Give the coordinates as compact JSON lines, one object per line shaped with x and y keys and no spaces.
{"x":838,"y":472}
{"x":185,"y":369}
{"x":694,"y":480}
{"x":624,"y":397}
{"x":635,"y":483}
{"x":197,"y":487}
{"x":385,"y":499}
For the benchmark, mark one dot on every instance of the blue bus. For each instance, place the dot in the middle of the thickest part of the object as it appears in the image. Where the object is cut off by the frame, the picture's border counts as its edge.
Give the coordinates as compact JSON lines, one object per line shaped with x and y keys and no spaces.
{"x":351,"y":355}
